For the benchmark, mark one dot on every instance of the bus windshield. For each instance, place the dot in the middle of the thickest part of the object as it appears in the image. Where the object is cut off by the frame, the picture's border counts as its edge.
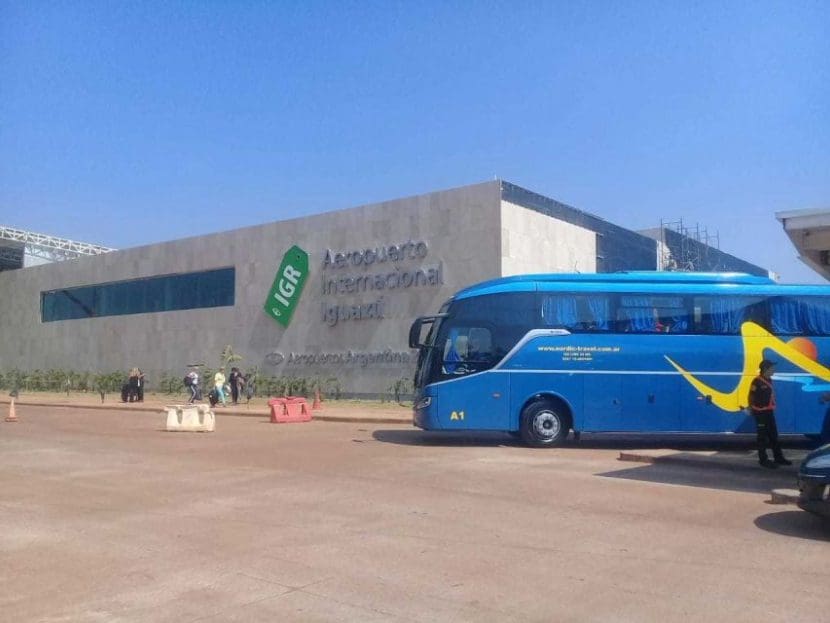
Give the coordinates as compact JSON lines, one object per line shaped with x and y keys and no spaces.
{"x":474,"y":335}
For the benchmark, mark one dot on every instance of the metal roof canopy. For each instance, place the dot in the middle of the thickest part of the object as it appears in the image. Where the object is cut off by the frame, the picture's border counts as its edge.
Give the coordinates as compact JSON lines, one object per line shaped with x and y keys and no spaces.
{"x":809,"y":231}
{"x":45,"y":247}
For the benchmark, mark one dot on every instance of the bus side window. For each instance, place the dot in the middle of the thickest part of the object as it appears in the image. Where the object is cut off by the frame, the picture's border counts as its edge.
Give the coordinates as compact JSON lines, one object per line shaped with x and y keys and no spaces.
{"x":815,"y":312}
{"x":651,"y":313}
{"x":724,"y":315}
{"x":576,"y":312}
{"x":785,"y":316}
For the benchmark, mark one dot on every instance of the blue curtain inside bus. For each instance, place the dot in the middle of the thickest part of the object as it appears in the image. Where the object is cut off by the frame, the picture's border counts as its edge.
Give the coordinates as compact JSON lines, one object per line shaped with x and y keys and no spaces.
{"x":576,"y":313}
{"x":784,"y":317}
{"x":726,"y":315}
{"x":816,"y":313}
{"x":599,"y":310}
{"x":798,"y":316}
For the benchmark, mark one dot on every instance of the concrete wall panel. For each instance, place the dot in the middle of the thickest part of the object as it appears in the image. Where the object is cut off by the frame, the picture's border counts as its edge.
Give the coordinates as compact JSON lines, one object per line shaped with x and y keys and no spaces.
{"x":533,"y":242}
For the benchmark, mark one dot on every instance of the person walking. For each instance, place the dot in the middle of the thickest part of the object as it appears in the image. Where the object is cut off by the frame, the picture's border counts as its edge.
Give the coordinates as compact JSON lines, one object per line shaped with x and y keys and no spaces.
{"x":762,"y":407}
{"x":219,"y":386}
{"x":192,"y":382}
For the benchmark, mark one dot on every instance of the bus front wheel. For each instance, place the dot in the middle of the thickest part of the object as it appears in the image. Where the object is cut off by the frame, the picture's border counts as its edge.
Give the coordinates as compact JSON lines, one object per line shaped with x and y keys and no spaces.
{"x":543,"y":424}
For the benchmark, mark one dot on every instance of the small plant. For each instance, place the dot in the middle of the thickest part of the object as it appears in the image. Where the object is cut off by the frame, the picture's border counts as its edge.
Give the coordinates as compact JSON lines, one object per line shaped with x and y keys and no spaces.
{"x":227,"y":358}
{"x":206,"y":379}
{"x":108,"y":382}
{"x":331,"y":387}
{"x":171,"y":383}
{"x":12,"y":380}
{"x":34,"y":381}
{"x":399,"y":388}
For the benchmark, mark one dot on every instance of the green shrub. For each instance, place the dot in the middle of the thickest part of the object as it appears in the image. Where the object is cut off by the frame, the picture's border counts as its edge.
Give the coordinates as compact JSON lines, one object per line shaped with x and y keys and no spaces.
{"x":399,"y":388}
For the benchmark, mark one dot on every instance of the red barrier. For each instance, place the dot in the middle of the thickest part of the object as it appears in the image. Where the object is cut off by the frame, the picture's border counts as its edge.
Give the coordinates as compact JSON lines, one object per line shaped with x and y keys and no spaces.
{"x":289,"y":409}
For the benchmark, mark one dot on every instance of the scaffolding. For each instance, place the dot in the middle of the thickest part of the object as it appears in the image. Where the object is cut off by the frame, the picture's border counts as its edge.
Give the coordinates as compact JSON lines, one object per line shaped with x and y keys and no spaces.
{"x":691,"y":250}
{"x":17,"y":243}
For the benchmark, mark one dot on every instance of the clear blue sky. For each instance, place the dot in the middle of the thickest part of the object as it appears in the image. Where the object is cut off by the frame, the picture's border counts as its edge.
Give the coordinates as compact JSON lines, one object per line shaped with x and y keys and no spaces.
{"x":130,"y":123}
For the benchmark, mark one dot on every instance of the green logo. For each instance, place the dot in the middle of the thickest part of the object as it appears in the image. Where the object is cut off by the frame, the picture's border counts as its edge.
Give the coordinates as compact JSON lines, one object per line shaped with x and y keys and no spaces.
{"x":288,"y":285}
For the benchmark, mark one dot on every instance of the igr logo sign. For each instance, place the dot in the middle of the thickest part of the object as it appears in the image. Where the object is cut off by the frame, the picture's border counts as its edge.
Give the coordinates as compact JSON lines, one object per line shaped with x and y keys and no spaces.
{"x":288,"y":285}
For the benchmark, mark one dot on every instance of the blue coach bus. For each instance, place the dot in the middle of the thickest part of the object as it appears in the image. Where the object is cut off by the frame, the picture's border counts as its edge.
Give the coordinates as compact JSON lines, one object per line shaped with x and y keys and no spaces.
{"x":648,"y":352}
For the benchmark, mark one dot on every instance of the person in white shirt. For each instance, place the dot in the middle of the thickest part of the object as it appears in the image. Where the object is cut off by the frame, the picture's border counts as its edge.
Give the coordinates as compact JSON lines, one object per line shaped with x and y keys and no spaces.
{"x":193,"y":384}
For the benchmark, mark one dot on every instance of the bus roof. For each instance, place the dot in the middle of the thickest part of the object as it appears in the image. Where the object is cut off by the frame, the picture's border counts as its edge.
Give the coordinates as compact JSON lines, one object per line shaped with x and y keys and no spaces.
{"x":627,"y":278}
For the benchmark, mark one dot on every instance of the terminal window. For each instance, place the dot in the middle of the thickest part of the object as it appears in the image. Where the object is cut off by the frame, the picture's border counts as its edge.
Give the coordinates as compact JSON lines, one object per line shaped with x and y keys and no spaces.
{"x":211,"y":288}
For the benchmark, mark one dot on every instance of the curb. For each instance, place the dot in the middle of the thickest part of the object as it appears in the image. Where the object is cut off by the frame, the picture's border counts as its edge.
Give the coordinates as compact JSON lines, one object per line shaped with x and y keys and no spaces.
{"x":119,"y":406}
{"x":638,"y":458}
{"x":784,"y":496}
{"x":358,"y":419}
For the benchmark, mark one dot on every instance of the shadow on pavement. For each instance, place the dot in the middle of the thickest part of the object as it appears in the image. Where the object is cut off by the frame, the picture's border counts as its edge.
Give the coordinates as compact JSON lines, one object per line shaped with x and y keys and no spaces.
{"x":605,"y":441}
{"x":796,"y":523}
{"x":714,"y":474}
{"x":681,"y":442}
{"x":417,"y":437}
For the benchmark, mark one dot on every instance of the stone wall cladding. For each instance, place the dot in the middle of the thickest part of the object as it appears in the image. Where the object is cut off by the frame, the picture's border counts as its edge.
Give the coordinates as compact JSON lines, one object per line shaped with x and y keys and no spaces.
{"x":461,"y":228}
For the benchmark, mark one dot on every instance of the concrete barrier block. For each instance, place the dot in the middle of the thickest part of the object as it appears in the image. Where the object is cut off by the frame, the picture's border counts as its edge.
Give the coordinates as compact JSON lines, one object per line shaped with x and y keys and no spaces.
{"x":190,"y":417}
{"x":207,"y":419}
{"x":174,"y":417}
{"x":193,"y":418}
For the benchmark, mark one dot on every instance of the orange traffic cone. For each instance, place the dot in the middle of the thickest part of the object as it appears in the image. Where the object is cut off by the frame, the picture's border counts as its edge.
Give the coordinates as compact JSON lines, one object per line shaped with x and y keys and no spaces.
{"x":12,"y":416}
{"x":317,"y":404}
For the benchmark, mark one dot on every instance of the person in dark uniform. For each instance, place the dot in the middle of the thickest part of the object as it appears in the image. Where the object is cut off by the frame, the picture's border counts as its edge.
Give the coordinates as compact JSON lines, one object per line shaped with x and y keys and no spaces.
{"x":133,"y":383}
{"x":237,"y":382}
{"x":140,"y":392}
{"x":762,"y":407}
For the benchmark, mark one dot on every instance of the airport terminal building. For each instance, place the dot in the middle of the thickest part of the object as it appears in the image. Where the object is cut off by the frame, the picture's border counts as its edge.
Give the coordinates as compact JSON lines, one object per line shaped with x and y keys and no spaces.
{"x":325,"y":296}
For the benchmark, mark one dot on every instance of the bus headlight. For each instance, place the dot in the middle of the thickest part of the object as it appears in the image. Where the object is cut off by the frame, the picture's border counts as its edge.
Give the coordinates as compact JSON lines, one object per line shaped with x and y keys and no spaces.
{"x":424,"y":402}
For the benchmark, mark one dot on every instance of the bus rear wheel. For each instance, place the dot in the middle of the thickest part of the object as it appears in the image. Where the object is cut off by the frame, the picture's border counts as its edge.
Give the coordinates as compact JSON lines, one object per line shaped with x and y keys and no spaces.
{"x":543,"y":424}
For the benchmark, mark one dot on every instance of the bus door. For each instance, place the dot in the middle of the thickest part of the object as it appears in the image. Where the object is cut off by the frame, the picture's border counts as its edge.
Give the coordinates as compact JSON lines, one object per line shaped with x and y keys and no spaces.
{"x":717,"y":363}
{"x":649,"y":402}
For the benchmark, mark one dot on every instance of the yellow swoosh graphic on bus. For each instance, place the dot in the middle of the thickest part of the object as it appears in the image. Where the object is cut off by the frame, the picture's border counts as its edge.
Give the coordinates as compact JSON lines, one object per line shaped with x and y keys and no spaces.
{"x":755,"y":339}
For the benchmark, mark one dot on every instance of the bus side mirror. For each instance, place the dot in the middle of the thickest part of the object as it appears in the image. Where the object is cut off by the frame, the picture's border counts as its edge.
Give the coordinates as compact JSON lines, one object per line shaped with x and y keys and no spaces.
{"x":415,"y":333}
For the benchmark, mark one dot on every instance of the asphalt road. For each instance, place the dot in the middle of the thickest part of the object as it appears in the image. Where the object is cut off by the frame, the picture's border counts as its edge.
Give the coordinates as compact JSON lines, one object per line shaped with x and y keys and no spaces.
{"x":105,"y":517}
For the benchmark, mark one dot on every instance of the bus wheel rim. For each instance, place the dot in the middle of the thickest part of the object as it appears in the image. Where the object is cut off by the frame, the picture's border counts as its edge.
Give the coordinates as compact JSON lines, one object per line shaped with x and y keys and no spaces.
{"x":546,"y":425}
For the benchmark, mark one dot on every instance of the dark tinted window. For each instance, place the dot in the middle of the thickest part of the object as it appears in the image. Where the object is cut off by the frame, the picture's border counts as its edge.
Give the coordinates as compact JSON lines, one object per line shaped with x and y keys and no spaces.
{"x":724,"y":315}
{"x":650,"y":313}
{"x":213,"y":288}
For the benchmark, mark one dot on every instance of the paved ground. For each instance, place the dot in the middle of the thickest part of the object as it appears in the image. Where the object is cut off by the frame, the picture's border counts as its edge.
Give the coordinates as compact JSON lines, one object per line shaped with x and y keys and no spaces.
{"x":105,"y":517}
